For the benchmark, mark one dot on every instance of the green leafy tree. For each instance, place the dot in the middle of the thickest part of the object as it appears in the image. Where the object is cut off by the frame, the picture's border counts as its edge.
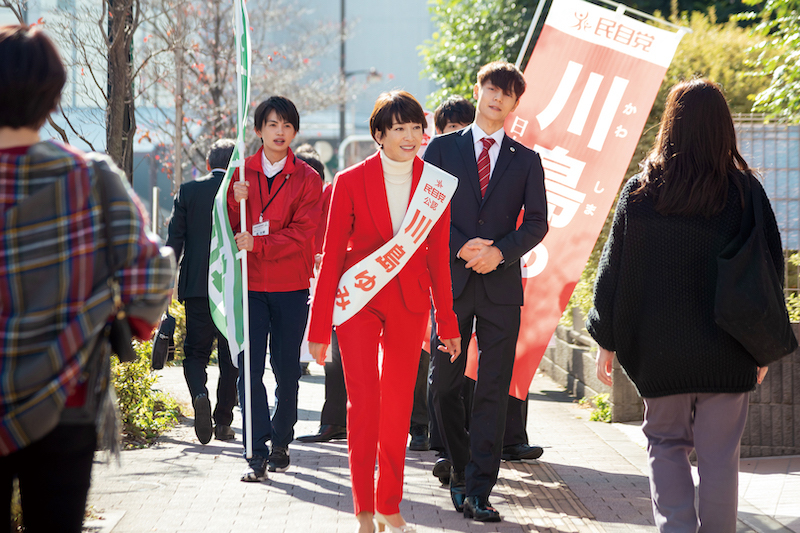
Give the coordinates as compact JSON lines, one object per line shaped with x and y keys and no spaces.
{"x":469,"y":35}
{"x":724,"y":8}
{"x":718,"y":51}
{"x":779,"y":57}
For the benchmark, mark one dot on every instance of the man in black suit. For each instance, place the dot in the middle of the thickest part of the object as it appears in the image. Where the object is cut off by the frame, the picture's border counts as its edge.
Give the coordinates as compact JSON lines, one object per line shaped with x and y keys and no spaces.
{"x":453,"y":114}
{"x":498,"y":177}
{"x":190,"y":235}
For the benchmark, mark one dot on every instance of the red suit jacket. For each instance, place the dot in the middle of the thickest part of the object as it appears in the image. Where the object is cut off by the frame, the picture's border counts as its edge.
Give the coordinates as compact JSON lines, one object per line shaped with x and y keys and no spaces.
{"x":358,"y":224}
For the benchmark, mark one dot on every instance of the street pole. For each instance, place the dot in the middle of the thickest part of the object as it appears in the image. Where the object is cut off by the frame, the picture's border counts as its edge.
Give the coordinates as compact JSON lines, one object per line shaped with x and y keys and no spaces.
{"x":178,"y":142}
{"x":342,"y":79}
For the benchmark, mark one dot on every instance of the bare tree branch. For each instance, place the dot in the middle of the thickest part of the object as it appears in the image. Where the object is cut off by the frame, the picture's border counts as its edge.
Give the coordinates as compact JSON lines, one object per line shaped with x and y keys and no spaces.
{"x":59,"y":130}
{"x":102,"y":24}
{"x":76,"y":132}
{"x":15,"y":7}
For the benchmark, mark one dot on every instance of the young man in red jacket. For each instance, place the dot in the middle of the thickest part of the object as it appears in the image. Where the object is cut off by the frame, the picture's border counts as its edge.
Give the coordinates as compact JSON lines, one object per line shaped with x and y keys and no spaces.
{"x":283,"y":205}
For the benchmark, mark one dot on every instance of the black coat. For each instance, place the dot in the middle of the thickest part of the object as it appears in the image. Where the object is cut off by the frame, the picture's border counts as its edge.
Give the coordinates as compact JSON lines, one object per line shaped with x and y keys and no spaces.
{"x":190,"y":233}
{"x":655,"y":291}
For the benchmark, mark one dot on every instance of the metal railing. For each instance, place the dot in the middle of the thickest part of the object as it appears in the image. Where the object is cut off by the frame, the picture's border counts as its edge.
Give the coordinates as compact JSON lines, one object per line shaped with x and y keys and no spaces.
{"x":772,"y":147}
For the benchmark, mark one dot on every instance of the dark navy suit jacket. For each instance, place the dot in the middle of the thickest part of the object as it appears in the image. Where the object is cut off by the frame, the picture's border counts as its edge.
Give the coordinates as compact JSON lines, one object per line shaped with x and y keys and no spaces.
{"x":190,"y":233}
{"x":516,"y":183}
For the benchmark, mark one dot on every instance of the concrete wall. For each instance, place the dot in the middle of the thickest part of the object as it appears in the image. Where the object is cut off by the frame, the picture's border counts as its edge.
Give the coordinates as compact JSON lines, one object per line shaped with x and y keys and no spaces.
{"x":773,"y":422}
{"x":571,"y":364}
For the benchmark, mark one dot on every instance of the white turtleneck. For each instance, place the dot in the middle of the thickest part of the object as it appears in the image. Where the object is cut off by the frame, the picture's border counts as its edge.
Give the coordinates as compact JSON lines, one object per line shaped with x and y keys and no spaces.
{"x":397,"y":179}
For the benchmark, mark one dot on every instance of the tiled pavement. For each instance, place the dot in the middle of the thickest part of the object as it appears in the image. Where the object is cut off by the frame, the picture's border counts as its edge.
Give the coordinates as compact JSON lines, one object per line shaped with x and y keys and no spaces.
{"x":591,"y":479}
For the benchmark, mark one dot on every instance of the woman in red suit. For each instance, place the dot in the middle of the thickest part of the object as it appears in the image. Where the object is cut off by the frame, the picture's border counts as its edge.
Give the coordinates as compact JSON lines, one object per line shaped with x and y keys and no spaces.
{"x":369,"y":202}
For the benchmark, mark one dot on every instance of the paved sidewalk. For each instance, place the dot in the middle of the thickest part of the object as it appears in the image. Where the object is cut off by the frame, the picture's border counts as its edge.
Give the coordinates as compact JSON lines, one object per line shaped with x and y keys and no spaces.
{"x":591,"y":478}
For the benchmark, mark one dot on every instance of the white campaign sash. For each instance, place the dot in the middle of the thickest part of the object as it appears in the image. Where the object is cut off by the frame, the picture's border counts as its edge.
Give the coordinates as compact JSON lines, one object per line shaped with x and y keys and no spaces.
{"x":366,"y":278}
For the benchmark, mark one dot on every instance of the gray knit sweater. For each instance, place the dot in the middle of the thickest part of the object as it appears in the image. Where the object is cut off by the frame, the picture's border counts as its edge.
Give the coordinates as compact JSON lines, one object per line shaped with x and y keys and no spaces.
{"x":654,"y":297}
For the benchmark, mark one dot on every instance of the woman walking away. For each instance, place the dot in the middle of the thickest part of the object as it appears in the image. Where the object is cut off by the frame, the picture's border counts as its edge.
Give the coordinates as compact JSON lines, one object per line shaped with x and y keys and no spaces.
{"x":654,"y":307}
{"x":56,"y":295}
{"x":369,"y":207}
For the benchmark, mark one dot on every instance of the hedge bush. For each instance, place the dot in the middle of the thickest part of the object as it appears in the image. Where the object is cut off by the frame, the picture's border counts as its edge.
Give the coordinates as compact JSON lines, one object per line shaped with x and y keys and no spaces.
{"x":145,"y":412}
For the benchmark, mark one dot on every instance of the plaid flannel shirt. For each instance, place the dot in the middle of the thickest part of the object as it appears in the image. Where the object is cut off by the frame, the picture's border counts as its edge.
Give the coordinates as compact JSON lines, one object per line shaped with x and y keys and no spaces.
{"x":54,"y":298}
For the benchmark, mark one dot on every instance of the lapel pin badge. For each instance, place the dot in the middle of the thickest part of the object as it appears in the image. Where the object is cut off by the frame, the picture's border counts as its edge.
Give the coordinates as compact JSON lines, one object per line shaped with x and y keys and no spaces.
{"x":512,"y":148}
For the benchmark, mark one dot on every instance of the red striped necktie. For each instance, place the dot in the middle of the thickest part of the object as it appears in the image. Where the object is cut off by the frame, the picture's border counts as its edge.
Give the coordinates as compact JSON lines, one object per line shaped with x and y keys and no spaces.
{"x":484,"y":168}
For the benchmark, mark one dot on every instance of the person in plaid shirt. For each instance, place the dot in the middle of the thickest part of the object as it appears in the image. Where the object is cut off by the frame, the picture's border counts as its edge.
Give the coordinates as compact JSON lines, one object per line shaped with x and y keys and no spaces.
{"x":54,"y":296}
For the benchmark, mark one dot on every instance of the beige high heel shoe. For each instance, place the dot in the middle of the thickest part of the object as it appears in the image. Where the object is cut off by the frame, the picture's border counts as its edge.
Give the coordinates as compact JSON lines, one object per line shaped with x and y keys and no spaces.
{"x":383,"y":524}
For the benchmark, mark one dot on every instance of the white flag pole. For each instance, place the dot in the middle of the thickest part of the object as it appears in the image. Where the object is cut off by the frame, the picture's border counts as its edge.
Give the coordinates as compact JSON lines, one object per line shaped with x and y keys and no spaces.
{"x":529,"y":35}
{"x":243,"y":90}
{"x":248,"y":400}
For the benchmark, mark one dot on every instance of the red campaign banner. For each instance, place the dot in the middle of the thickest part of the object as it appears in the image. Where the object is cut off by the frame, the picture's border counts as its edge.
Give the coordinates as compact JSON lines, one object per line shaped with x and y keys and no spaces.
{"x":592,"y":79}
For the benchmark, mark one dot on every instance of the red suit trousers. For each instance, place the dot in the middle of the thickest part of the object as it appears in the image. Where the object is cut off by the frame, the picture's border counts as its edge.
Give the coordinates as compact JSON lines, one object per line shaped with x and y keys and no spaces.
{"x":380,"y":395}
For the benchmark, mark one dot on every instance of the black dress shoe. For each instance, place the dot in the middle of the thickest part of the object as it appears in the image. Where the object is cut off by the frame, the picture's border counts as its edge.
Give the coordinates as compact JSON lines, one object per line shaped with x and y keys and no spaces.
{"x":441,"y":469}
{"x":419,"y":439}
{"x":222,"y":432}
{"x":518,"y":452}
{"x":203,"y":427}
{"x":478,"y":508}
{"x":326,"y":433}
{"x":458,"y":491}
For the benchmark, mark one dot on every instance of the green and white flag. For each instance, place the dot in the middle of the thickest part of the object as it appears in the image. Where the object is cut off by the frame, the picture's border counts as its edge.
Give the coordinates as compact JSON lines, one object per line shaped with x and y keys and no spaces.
{"x":225,"y":272}
{"x":225,"y":288}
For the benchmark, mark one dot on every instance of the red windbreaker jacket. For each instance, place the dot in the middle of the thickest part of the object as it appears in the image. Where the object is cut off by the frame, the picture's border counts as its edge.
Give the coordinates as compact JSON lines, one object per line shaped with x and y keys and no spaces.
{"x":283,"y":260}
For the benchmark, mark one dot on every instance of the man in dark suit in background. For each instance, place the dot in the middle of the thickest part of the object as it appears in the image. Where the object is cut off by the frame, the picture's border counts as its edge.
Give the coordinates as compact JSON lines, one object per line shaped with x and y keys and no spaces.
{"x":498,"y":177}
{"x":190,"y":235}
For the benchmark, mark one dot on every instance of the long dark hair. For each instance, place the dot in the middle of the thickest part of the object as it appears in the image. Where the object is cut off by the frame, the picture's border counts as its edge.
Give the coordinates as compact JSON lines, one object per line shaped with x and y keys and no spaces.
{"x":695,"y":153}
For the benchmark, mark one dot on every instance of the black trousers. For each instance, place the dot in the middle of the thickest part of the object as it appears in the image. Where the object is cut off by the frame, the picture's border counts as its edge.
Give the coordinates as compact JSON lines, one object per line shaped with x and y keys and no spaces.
{"x":280,"y":318}
{"x":199,"y":342}
{"x":516,"y":418}
{"x":436,"y":439}
{"x":516,"y":412}
{"x":477,"y":453}
{"x":334,"y":410}
{"x":419,"y":414}
{"x":54,"y":475}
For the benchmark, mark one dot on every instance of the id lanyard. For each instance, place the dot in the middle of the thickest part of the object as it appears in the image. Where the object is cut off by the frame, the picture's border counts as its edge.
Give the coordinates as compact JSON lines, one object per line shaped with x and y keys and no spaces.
{"x":261,"y":195}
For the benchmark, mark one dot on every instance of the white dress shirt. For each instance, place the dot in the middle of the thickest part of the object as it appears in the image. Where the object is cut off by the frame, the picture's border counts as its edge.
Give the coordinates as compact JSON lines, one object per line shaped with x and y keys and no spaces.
{"x":494,"y":152}
{"x":272,"y":169}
